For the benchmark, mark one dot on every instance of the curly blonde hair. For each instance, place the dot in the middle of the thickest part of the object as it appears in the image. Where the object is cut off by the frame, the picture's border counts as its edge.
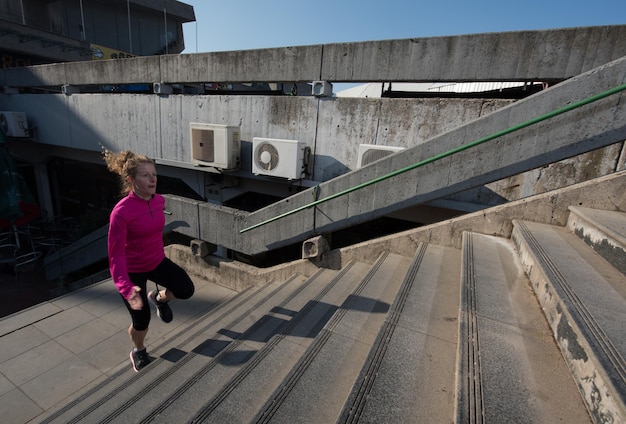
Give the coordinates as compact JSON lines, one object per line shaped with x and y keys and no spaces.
{"x":124,"y":164}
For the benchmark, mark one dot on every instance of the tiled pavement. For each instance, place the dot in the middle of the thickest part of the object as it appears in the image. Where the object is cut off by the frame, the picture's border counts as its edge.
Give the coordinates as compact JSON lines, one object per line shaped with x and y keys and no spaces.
{"x":61,"y":347}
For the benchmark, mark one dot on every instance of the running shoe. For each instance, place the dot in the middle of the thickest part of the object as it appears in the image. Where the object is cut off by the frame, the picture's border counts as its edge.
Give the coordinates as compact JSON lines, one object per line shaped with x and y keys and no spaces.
{"x":139,"y":359}
{"x":163,"y":309}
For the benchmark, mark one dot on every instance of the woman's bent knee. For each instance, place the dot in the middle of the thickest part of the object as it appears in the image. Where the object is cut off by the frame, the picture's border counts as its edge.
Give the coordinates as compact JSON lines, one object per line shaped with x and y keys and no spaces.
{"x":185,"y":292}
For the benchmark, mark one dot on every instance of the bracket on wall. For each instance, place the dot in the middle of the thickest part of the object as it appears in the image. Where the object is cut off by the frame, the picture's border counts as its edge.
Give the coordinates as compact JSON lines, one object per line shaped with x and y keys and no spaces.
{"x":322,"y":89}
{"x":68,"y":89}
{"x":161,"y":88}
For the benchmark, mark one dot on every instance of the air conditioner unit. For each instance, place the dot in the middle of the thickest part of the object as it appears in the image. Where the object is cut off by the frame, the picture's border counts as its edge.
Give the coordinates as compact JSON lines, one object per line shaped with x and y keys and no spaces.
{"x":215,"y":145}
{"x":369,"y":153}
{"x":279,"y":158}
{"x":14,"y":124}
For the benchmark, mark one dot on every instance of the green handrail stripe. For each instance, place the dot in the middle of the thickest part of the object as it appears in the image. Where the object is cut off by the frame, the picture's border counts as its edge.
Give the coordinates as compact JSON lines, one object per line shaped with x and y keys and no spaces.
{"x":451,"y":152}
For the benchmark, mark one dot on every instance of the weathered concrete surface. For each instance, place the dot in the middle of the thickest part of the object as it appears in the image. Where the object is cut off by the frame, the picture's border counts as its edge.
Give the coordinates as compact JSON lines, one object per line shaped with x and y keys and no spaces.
{"x":583,"y":301}
{"x":561,"y":174}
{"x":507,"y":56}
{"x":549,"y":208}
{"x":604,"y":231}
{"x":159,"y":126}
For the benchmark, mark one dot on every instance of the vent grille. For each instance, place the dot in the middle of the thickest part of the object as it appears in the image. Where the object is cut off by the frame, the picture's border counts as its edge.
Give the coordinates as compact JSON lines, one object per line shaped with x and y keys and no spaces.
{"x":203,"y":145}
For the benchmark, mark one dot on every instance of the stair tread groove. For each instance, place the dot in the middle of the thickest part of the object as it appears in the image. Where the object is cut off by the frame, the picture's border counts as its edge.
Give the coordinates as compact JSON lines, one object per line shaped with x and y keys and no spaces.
{"x":281,"y":352}
{"x":96,"y":395}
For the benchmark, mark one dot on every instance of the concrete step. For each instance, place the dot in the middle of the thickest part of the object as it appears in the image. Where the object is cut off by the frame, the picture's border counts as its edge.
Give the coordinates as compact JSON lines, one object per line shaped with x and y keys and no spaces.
{"x":318,"y":385}
{"x":604,"y":231}
{"x":409,"y":373}
{"x":509,"y":368}
{"x":584,"y":300}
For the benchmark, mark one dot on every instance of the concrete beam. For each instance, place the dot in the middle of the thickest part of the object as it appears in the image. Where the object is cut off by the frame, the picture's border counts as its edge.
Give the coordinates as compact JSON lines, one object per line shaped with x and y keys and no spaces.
{"x":504,"y":56}
{"x":550,"y":55}
{"x":292,"y":64}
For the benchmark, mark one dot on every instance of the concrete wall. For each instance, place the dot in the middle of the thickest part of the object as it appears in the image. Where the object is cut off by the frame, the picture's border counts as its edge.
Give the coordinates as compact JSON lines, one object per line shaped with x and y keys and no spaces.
{"x":159,"y":126}
{"x":332,"y":127}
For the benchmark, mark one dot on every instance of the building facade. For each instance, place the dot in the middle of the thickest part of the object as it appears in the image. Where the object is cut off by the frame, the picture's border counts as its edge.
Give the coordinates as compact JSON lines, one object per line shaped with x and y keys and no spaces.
{"x":34,"y":32}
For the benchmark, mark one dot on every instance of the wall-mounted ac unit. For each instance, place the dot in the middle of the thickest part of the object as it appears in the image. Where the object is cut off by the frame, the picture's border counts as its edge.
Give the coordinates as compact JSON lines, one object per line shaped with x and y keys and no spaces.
{"x":279,"y":158}
{"x":369,"y":153}
{"x":14,"y":124}
{"x":215,"y":145}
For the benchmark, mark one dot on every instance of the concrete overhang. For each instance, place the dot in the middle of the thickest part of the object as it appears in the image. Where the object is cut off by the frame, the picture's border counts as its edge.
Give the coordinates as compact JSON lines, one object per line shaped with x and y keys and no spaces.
{"x":182,"y":11}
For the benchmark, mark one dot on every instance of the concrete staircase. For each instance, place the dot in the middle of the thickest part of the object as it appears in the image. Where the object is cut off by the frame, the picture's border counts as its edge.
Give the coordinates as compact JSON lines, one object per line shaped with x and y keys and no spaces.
{"x":527,"y":329}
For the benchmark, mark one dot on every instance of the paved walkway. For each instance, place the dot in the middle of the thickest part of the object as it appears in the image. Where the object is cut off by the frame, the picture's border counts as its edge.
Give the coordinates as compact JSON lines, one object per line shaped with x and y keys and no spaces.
{"x":58,"y":348}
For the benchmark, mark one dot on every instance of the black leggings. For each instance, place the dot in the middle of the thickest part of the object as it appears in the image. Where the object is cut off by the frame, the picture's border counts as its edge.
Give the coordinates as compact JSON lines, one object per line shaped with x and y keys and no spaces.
{"x":166,"y":274}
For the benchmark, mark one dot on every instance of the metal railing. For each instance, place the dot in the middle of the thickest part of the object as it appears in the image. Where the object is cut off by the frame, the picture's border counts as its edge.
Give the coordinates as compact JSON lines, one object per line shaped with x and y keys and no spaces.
{"x":451,"y":152}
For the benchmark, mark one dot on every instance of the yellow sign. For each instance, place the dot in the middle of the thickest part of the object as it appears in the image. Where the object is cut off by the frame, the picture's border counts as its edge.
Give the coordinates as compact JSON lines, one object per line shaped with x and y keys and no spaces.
{"x":100,"y":52}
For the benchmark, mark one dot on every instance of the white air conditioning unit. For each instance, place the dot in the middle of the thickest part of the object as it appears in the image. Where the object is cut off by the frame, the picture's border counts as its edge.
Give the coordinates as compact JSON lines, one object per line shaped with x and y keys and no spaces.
{"x":215,"y":145}
{"x":14,"y":124}
{"x":279,"y":158}
{"x":369,"y":153}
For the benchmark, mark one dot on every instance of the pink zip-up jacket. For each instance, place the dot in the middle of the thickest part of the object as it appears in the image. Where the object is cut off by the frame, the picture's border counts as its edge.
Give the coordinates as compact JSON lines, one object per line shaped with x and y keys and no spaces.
{"x":135,"y":241}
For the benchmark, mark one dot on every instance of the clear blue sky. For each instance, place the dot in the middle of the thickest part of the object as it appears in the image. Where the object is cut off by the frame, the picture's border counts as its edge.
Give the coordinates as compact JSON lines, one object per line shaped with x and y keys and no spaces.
{"x":248,"y":24}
